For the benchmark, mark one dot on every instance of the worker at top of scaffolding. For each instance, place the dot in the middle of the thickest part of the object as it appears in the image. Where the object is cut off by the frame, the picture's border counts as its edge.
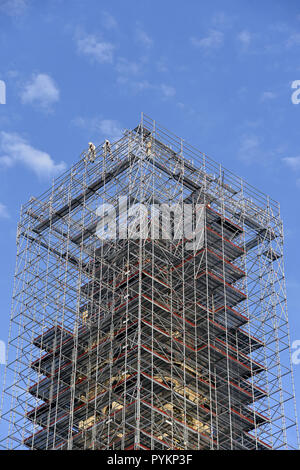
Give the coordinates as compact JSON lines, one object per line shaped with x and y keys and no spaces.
{"x":92,"y":152}
{"x":106,"y":147}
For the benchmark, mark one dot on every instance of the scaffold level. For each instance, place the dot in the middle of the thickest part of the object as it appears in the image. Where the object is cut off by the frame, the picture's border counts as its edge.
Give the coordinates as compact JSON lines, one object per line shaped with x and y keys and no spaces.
{"x":138,"y":342}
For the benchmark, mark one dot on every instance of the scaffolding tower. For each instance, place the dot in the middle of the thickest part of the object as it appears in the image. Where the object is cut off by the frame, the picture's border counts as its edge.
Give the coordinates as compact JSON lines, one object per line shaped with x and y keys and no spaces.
{"x":135,"y":342}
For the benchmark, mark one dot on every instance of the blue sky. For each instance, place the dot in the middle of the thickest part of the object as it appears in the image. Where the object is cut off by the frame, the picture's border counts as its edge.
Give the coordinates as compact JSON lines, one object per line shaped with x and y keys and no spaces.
{"x":216,"y":73}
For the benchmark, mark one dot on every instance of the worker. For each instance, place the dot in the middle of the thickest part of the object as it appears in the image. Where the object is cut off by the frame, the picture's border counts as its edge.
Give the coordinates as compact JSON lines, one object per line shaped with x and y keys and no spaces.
{"x":107,"y":147}
{"x":92,"y":152}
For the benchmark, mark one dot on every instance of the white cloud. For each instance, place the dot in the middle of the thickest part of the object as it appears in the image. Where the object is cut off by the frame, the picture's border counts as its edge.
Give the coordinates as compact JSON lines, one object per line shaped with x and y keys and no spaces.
{"x":253,"y":149}
{"x":292,"y":162}
{"x":245,"y":38}
{"x":268,"y":95}
{"x":3,"y":212}
{"x":41,"y":91}
{"x":250,"y":149}
{"x":15,"y":149}
{"x":162,"y":65}
{"x":108,"y":21}
{"x":13,"y":7}
{"x":99,"y":128}
{"x":110,"y":128}
{"x":167,"y":90}
{"x":293,"y":40}
{"x":96,"y":49}
{"x":143,"y":38}
{"x":214,"y":40}
{"x":221,"y":20}
{"x":125,"y":67}
{"x":143,"y":85}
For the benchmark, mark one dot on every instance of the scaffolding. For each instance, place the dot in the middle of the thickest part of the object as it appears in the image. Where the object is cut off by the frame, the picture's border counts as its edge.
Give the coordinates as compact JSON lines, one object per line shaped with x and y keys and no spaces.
{"x":137,"y":342}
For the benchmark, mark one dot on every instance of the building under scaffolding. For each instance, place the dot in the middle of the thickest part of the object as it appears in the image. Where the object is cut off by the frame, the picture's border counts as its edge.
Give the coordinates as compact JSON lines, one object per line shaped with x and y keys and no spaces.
{"x":138,"y":342}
